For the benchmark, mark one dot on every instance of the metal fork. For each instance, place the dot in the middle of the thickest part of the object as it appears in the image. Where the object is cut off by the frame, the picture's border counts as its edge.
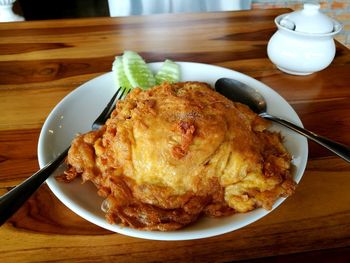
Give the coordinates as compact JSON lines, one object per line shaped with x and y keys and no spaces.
{"x":14,"y":199}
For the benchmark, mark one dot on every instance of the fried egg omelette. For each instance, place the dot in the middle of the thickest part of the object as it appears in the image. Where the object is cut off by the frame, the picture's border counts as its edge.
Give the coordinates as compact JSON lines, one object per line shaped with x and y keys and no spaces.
{"x":175,"y":152}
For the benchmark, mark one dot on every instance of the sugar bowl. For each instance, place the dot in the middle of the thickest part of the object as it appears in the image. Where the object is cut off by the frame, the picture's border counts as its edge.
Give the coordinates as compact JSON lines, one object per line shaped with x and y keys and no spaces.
{"x":303,"y":43}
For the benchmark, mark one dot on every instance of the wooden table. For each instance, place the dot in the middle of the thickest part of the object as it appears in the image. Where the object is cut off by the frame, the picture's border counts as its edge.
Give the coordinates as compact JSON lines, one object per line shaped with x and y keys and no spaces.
{"x":41,"y":62}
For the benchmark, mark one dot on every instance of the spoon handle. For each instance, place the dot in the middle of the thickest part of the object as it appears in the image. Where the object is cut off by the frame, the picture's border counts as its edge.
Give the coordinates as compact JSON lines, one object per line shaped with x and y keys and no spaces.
{"x":14,"y":199}
{"x":339,"y":149}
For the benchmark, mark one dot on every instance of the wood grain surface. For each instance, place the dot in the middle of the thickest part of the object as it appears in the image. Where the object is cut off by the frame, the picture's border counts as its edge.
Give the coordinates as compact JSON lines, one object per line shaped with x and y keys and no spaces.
{"x":42,"y":61}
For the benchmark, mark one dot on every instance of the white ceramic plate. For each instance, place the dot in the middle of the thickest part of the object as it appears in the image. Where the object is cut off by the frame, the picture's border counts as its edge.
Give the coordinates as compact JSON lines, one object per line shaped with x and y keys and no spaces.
{"x":75,"y":113}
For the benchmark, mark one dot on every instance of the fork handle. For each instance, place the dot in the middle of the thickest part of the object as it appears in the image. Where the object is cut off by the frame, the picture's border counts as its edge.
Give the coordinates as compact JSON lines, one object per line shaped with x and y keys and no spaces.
{"x":14,"y":199}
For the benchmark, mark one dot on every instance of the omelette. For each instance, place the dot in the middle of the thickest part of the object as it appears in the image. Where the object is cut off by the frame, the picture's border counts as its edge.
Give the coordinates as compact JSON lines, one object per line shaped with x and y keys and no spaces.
{"x":173,"y":153}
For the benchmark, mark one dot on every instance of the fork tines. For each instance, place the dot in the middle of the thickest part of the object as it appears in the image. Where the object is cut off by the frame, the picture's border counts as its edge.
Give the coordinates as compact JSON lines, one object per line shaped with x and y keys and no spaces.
{"x":106,"y":113}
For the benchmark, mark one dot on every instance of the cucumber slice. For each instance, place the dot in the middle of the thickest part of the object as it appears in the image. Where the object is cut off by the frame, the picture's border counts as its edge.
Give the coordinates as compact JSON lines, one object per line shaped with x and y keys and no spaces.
{"x":119,"y":75}
{"x":137,"y":71}
{"x":170,"y":72}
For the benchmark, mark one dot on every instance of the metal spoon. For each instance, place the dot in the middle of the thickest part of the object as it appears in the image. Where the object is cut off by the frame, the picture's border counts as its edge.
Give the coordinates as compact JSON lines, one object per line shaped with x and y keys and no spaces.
{"x":240,"y":92}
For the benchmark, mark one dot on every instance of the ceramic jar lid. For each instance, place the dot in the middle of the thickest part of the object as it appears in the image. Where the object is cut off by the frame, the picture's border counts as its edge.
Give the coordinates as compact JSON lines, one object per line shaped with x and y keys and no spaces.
{"x":308,"y":20}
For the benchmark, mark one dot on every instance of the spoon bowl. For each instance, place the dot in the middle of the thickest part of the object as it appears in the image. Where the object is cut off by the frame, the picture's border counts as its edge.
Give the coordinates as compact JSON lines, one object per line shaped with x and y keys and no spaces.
{"x":240,"y":92}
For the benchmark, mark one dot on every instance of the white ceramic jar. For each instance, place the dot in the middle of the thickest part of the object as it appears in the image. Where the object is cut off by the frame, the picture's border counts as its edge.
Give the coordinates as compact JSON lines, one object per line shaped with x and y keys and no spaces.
{"x":303,"y":43}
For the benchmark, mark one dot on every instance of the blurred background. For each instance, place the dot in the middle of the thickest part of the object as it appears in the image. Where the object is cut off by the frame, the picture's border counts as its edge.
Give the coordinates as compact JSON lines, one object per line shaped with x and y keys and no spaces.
{"x":56,"y":9}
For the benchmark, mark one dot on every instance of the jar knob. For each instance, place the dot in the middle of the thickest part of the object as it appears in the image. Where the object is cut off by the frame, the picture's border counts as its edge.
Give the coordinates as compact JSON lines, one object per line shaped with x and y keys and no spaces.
{"x":311,"y":7}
